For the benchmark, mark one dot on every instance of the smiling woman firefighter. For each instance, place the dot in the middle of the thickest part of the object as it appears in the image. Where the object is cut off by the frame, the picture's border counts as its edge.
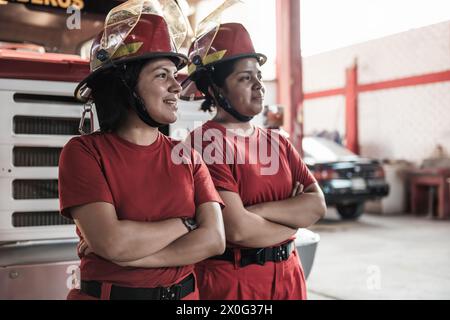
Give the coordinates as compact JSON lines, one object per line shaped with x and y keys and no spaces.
{"x":264,"y":204}
{"x":134,"y":208}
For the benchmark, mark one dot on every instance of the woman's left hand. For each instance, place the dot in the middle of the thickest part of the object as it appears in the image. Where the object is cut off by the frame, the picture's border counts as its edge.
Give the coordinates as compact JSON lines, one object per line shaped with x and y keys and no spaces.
{"x":298,"y":189}
{"x":83,"y":249}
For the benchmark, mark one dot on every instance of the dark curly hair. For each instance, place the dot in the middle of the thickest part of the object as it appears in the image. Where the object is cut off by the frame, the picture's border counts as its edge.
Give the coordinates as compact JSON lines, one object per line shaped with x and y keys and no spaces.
{"x":218,"y":75}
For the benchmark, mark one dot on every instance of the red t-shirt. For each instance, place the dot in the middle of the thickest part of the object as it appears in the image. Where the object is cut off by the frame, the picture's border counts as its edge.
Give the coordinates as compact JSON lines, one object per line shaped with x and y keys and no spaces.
{"x":260,"y":168}
{"x":143,"y":184}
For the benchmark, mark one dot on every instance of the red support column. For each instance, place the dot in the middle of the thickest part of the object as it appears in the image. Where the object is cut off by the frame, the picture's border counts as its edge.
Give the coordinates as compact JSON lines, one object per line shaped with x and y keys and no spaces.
{"x":351,"y":108}
{"x":289,"y":68}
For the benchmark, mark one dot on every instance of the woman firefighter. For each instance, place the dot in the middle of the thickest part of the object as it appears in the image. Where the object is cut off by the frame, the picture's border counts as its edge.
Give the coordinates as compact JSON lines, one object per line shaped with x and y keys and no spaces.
{"x":267,"y":196}
{"x":144,"y":221}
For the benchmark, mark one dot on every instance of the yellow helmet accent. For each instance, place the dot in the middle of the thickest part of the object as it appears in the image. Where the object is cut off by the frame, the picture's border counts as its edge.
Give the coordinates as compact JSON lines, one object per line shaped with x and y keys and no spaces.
{"x":210,"y":58}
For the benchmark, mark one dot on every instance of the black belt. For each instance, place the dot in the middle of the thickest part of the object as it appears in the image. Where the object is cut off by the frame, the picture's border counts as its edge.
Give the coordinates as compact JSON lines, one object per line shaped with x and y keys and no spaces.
{"x":259,"y":256}
{"x":175,"y":292}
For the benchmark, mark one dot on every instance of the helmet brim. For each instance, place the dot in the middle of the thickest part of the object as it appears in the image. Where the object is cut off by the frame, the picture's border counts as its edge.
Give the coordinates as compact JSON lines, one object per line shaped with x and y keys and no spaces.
{"x":198,"y":95}
{"x":83,"y":91}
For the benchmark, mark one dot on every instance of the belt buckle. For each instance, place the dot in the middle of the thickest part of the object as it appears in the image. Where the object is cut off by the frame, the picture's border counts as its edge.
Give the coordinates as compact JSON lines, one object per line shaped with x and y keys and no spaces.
{"x":281,"y":253}
{"x":171,"y":293}
{"x":261,"y":256}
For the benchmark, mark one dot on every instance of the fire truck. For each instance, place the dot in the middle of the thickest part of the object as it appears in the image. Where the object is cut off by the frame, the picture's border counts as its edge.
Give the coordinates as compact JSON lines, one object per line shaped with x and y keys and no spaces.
{"x":41,"y":62}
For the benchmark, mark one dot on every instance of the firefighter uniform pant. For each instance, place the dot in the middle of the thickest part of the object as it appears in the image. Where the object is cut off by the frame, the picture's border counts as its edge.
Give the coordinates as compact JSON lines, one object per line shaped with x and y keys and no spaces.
{"x":224,"y":280}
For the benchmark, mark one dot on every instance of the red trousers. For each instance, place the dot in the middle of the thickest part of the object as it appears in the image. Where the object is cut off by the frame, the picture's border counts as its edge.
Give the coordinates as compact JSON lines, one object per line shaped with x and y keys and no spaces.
{"x":222,"y":280}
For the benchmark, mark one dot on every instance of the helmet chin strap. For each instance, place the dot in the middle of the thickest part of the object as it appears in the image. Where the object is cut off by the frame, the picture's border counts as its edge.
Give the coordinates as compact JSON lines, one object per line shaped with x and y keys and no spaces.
{"x":225,"y":104}
{"x":139,"y":106}
{"x":141,"y":110}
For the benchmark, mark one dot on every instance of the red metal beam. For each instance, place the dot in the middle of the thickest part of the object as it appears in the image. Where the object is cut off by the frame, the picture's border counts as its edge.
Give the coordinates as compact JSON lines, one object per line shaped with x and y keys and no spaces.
{"x":424,"y":79}
{"x":289,"y":68}
{"x":406,"y":82}
{"x":323,"y":94}
{"x":351,"y":108}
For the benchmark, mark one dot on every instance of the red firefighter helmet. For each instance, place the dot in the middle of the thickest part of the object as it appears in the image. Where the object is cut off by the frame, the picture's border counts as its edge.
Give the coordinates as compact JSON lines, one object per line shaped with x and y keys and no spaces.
{"x":136,"y":30}
{"x":226,"y":42}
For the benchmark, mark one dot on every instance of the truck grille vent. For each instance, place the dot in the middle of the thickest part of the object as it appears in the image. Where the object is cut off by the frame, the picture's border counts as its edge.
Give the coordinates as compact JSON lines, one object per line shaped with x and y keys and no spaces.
{"x":36,"y":156}
{"x":48,"y":125}
{"x":43,"y":98}
{"x":35,"y":189}
{"x":36,"y":219}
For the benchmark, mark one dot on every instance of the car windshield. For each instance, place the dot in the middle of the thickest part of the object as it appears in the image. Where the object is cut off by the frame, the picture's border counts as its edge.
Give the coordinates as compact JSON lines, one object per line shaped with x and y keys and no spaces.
{"x":324,"y":150}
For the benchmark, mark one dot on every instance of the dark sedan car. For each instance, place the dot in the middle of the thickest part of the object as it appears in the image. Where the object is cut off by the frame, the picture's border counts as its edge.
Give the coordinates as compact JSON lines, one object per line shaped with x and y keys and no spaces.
{"x":347,"y":180}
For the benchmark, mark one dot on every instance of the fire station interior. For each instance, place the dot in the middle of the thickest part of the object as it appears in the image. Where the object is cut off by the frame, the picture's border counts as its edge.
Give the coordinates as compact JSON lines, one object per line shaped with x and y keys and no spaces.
{"x":369,"y":117}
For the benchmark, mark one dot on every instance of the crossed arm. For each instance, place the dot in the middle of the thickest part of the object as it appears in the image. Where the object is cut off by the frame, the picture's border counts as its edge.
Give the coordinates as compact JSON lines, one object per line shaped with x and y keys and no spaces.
{"x":300,"y":211}
{"x":167,"y":243}
{"x":164,"y":243}
{"x":269,"y":223}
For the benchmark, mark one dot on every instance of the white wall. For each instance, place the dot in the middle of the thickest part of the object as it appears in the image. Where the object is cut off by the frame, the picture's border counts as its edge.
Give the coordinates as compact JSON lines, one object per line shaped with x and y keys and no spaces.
{"x":405,"y":123}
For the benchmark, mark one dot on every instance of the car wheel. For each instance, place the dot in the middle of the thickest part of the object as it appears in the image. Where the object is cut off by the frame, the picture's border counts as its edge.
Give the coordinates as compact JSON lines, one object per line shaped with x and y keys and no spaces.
{"x":350,"y":211}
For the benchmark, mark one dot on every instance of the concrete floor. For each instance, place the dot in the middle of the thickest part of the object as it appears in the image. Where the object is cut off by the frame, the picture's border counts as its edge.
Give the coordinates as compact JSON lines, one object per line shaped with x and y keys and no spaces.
{"x":381,"y":257}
